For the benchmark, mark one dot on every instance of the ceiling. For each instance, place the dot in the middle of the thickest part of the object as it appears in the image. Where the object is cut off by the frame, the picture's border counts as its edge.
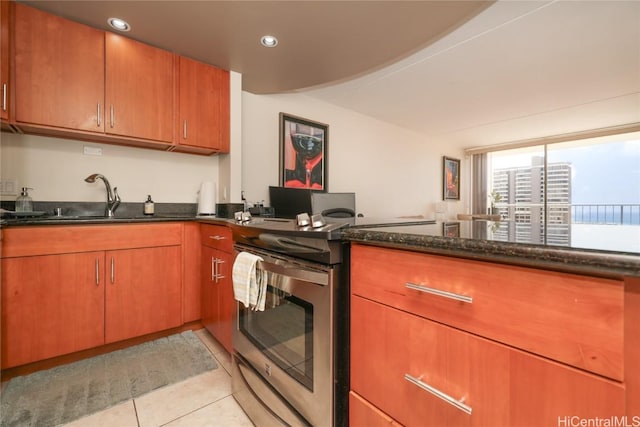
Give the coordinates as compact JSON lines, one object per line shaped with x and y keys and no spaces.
{"x":519,"y":70}
{"x":319,"y":41}
{"x":468,"y":73}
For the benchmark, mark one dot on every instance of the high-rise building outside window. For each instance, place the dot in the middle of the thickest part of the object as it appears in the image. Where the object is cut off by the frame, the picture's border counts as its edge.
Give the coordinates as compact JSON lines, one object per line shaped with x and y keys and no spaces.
{"x":583,"y":193}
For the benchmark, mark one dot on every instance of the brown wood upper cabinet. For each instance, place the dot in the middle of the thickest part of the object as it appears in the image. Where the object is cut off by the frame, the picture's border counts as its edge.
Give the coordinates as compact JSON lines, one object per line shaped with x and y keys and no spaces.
{"x":139,"y":89}
{"x":79,"y":82}
{"x":4,"y":59}
{"x":59,"y":79}
{"x":203,"y":124}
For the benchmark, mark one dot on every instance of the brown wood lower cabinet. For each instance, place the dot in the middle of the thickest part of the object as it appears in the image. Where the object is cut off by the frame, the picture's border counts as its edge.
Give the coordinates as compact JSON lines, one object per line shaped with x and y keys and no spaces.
{"x":143,"y":292}
{"x":423,"y":373}
{"x":71,"y":288}
{"x":51,"y":305}
{"x":218,"y":304}
{"x":363,"y":413}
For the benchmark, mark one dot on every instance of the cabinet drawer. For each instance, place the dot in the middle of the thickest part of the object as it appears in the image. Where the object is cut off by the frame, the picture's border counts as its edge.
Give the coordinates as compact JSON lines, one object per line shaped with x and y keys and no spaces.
{"x":216,"y":236}
{"x":60,"y":239}
{"x":400,"y":361}
{"x":396,"y":356}
{"x":363,"y":413}
{"x":573,"y":319}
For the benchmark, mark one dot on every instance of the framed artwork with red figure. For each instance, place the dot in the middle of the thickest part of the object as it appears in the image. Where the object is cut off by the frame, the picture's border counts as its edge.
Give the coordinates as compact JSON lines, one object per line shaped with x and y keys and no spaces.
{"x":450,"y":178}
{"x":303,"y":153}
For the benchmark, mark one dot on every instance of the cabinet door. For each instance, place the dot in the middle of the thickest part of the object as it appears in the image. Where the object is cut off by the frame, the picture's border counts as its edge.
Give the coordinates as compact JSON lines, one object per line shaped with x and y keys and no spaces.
{"x":139,"y":89}
{"x":51,"y":305}
{"x":209,"y":294}
{"x":143,"y":291}
{"x":226,"y":301}
{"x":204,"y":105}
{"x":4,"y":59}
{"x":59,"y":79}
{"x":191,"y":259}
{"x":218,"y":303}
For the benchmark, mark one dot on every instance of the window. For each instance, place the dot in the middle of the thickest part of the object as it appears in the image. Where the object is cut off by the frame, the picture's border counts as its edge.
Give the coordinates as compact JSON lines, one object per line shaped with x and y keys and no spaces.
{"x":547,"y":193}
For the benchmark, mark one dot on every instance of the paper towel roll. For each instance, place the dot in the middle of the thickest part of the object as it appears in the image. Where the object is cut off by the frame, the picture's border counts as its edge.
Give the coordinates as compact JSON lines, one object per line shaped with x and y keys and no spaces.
{"x":207,"y":198}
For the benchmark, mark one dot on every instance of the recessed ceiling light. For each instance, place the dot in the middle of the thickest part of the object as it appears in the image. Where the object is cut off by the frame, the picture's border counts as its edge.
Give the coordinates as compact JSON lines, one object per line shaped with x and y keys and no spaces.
{"x":269,"y":41}
{"x":119,"y":24}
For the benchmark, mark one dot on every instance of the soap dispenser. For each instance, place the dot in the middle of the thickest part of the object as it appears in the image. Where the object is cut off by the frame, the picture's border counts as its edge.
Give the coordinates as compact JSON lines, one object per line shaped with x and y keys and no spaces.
{"x":23,"y":201}
{"x":148,"y":206}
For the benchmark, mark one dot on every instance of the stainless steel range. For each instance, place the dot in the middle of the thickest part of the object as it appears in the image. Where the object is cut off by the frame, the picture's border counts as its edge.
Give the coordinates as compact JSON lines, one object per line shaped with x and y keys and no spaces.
{"x":290,"y":362}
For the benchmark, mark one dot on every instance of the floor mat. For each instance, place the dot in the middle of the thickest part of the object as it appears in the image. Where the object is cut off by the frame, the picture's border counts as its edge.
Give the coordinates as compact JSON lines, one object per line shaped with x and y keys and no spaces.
{"x":67,"y":392}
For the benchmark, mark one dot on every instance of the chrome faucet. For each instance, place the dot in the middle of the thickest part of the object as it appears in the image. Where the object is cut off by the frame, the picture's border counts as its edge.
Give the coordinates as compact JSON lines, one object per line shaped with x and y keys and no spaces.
{"x":113,"y":199}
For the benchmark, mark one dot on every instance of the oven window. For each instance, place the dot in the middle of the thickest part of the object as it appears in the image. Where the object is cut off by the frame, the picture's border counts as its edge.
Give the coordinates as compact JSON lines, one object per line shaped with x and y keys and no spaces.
{"x":283,"y":332}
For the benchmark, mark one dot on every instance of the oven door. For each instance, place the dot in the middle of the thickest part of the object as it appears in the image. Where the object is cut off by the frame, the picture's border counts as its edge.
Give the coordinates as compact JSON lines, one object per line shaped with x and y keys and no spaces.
{"x":290,"y":343}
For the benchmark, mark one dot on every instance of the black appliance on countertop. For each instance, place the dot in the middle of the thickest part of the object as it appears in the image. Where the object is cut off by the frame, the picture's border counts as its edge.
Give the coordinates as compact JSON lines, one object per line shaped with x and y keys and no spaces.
{"x":289,"y":202}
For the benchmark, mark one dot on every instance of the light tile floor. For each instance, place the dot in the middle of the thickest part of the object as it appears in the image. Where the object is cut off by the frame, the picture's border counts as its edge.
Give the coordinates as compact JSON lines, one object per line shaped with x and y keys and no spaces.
{"x":203,"y":400}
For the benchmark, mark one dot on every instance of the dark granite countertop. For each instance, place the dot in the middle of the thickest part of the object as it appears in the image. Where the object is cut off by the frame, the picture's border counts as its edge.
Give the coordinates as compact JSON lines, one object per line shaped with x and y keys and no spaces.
{"x":83,"y":213}
{"x":483,"y":240}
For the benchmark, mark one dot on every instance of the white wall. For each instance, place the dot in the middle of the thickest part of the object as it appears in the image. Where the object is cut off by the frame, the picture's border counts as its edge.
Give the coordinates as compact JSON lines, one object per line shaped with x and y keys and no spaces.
{"x":394,"y":172}
{"x":56,"y":169}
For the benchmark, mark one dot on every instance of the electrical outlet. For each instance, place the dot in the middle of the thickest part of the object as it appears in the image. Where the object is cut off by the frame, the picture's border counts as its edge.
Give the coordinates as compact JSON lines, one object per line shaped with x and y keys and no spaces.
{"x":92,"y":151}
{"x":9,"y":187}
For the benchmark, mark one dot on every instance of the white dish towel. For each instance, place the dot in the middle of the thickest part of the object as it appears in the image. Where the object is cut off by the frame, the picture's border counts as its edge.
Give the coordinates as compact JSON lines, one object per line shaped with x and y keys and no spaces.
{"x":249,"y":283}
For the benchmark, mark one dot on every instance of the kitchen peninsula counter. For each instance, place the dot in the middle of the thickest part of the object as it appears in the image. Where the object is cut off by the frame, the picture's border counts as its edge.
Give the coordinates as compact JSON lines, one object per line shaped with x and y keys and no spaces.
{"x":536,"y":330}
{"x":479,"y":240}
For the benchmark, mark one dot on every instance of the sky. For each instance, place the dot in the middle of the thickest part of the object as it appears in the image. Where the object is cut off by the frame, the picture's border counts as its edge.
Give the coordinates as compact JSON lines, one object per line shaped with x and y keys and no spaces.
{"x":602,"y":173}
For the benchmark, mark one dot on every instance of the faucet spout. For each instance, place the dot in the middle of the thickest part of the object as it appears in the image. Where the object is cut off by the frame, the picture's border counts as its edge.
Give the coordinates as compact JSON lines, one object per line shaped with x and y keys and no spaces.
{"x":113,"y":199}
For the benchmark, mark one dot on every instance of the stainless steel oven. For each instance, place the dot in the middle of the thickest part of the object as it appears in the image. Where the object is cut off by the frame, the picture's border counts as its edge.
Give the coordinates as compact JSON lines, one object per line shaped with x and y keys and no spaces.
{"x":289,"y":362}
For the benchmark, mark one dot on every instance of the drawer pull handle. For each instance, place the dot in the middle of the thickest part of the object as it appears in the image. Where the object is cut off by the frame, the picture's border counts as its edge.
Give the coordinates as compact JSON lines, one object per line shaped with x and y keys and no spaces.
{"x":438,"y":292}
{"x":450,"y":400}
{"x":217,"y":237}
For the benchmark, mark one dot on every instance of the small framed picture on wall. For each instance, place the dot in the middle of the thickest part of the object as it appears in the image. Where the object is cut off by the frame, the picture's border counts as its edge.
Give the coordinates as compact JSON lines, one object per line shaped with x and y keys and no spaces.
{"x":450,"y":178}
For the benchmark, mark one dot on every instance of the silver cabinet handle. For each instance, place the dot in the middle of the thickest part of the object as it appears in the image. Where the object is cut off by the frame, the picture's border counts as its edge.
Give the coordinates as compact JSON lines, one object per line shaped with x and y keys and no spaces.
{"x":113,"y":271}
{"x":219,"y":275}
{"x":450,"y":400}
{"x":440,"y":293}
{"x":184,"y":129}
{"x":99,"y":121}
{"x":217,"y":237}
{"x":112,"y":116}
{"x":97,"y":271}
{"x":213,"y":269}
{"x":4,"y":97}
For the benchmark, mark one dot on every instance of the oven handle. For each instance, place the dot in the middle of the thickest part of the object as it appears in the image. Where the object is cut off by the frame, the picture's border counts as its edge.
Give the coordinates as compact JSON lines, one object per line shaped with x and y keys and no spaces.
{"x":286,"y":243}
{"x":295,"y":272}
{"x":287,"y":269}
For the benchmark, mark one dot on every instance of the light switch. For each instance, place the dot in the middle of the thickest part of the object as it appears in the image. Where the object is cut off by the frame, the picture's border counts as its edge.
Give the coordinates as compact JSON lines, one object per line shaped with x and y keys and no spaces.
{"x":9,"y":187}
